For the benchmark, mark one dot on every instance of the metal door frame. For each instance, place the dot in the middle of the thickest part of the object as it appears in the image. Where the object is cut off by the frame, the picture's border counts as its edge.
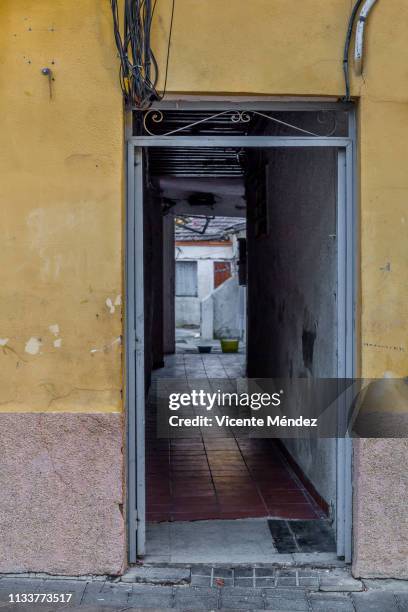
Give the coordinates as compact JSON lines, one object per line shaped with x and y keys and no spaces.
{"x":134,"y":320}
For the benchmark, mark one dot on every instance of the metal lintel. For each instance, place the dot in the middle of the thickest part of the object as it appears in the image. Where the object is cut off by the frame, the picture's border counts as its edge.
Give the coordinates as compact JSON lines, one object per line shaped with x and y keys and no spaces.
{"x":239,"y":141}
{"x":265,"y":105}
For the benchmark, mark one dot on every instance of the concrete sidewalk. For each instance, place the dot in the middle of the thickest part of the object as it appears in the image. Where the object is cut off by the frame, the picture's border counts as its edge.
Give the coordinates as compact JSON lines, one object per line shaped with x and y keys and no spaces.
{"x":209,"y":588}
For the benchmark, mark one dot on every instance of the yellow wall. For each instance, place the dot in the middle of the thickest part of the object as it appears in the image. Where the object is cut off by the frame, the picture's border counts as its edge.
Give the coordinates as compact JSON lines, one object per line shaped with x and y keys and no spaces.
{"x":277,"y":47}
{"x":61,"y":165}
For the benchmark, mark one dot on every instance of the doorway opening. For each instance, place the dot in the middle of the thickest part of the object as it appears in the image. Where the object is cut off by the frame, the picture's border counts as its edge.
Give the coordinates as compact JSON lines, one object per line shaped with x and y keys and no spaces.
{"x":244,"y":248}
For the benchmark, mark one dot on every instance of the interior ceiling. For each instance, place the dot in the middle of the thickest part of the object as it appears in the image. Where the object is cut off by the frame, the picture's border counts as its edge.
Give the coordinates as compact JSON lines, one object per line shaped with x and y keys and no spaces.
{"x":197,"y":162}
{"x":228,"y":195}
{"x":203,"y":162}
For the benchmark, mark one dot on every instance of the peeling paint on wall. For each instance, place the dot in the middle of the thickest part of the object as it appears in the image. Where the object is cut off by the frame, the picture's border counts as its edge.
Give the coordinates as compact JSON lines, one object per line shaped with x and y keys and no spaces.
{"x":110,"y":305}
{"x":54,"y":329}
{"x":107,"y":347}
{"x":33,"y":346}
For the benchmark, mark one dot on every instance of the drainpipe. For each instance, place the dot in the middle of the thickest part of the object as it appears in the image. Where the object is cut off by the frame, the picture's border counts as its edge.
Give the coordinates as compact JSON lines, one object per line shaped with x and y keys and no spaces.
{"x":359,"y":44}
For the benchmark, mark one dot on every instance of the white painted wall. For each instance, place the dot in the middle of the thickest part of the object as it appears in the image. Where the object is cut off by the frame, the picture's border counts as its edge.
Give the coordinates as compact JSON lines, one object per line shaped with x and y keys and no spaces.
{"x":188,"y":308}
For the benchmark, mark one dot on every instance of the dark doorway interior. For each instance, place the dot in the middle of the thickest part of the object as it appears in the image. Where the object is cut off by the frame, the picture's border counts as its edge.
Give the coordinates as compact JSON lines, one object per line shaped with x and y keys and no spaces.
{"x":288,"y":263}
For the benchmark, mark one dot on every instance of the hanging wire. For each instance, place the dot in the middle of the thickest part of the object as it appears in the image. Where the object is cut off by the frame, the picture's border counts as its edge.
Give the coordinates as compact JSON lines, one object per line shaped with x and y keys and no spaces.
{"x":138,"y":72}
{"x":346,"y":51}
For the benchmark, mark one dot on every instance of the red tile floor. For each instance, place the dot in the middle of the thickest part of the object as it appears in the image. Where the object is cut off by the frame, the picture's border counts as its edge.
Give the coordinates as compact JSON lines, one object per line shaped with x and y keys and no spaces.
{"x":227,"y":477}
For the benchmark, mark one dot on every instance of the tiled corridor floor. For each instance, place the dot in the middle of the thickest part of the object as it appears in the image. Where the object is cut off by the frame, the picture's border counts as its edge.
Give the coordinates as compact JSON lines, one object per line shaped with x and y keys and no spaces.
{"x":227,"y":476}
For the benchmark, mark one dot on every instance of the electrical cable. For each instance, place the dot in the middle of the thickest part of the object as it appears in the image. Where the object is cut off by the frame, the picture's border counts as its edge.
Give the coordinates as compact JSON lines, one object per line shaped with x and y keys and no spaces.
{"x":168,"y":48}
{"x":138,"y":71}
{"x":347,"y":49}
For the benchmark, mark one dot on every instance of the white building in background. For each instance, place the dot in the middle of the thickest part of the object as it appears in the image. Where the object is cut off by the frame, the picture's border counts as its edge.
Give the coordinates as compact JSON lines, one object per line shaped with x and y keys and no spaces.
{"x":209,"y":296}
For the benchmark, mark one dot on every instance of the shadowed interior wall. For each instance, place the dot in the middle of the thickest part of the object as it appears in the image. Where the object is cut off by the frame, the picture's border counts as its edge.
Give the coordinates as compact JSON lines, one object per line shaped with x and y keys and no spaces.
{"x":292,"y":277}
{"x":169,"y":264}
{"x":153,"y":278}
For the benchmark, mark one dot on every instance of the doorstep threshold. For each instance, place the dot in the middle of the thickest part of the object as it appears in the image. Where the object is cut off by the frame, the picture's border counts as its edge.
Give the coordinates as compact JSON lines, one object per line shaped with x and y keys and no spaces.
{"x":300,"y":560}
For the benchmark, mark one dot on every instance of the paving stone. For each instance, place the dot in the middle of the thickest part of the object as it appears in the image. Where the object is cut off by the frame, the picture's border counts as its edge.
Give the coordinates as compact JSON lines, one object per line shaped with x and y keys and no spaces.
{"x":308,"y":573}
{"x":21,"y":585}
{"x":77,"y":588}
{"x":318,"y":559}
{"x":285,"y":604}
{"x":285,"y":599}
{"x":201,"y":570}
{"x":201,"y":581}
{"x":148,"y":601}
{"x":245,"y":572}
{"x":288,"y":594}
{"x":149,"y":609}
{"x":150,"y":596}
{"x":266,"y":583}
{"x":106,"y":594}
{"x":49,"y":587}
{"x":402,"y":599}
{"x":152,"y":588}
{"x":386,"y":584}
{"x":329,"y":602}
{"x":5,"y":607}
{"x":340,"y":583}
{"x":374,"y":601}
{"x":192,"y":598}
{"x":265,"y":572}
{"x":158,"y":575}
{"x":237,"y":603}
{"x":244,"y":582}
{"x":237,"y":591}
{"x":287,"y":581}
{"x":310,"y":582}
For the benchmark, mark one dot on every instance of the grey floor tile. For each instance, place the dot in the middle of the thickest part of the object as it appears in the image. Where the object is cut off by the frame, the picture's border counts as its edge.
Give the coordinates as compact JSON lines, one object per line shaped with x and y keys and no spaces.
{"x":244,"y":582}
{"x":103,"y":594}
{"x":402,"y":599}
{"x":149,"y":601}
{"x":322,"y":602}
{"x":244,"y":540}
{"x":284,"y":603}
{"x":148,"y":596}
{"x":195,"y":598}
{"x":158,"y":575}
{"x":281,"y":599}
{"x":243,"y":602}
{"x":201,"y":581}
{"x":374,"y":601}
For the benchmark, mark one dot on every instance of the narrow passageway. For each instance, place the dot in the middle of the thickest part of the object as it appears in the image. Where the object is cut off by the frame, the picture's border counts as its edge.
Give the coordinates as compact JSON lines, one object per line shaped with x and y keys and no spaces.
{"x":222,"y":476}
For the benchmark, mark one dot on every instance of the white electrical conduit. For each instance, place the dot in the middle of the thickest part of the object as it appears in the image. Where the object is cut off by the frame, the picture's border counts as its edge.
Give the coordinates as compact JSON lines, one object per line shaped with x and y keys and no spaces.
{"x":359,"y":44}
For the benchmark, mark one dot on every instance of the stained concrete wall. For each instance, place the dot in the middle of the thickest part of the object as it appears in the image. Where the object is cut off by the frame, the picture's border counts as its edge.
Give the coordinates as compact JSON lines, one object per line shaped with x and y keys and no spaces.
{"x":292,"y":278}
{"x":380,"y":518}
{"x":61,"y":508}
{"x":187,"y":311}
{"x":226,"y":302}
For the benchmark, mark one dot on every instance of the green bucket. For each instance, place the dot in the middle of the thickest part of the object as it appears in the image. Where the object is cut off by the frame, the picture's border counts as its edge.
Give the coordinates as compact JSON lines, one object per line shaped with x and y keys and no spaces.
{"x":229,"y":345}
